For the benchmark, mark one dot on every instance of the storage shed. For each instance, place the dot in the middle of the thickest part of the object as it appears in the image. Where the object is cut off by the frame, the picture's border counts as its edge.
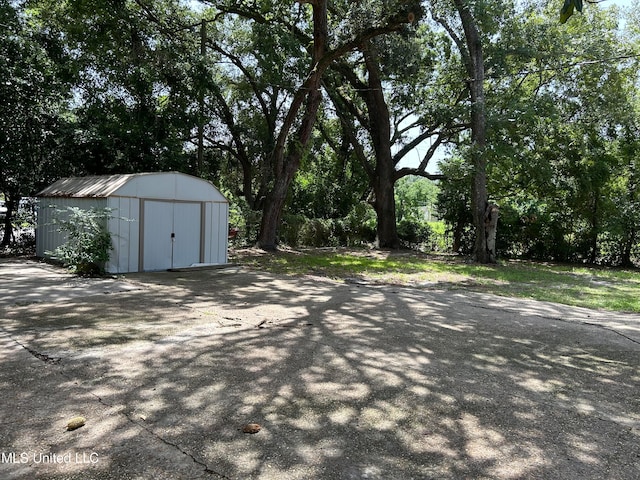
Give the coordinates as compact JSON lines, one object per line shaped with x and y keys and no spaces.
{"x":158,"y":220}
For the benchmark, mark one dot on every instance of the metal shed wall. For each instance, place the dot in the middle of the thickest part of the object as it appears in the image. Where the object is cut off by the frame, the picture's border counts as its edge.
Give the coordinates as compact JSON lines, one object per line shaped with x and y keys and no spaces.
{"x":216,"y":237}
{"x":127,"y":195}
{"x":49,"y":208}
{"x":124,"y":226}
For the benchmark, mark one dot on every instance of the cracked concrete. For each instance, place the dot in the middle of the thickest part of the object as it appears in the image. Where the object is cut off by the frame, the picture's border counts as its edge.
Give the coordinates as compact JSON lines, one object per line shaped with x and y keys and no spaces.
{"x":346,"y":380}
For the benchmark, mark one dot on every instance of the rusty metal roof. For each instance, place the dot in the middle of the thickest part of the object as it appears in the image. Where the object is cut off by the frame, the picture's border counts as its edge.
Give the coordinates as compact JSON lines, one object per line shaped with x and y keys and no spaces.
{"x":149,"y":185}
{"x":95,"y":186}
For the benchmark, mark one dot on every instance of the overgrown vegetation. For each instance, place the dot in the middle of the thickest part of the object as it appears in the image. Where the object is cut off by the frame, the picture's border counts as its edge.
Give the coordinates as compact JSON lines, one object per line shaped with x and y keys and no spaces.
{"x":88,"y":244}
{"x":591,"y":287}
{"x":19,"y":239}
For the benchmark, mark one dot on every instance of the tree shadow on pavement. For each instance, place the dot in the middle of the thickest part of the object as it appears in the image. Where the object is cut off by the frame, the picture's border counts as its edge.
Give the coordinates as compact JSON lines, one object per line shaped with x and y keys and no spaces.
{"x":346,"y":381}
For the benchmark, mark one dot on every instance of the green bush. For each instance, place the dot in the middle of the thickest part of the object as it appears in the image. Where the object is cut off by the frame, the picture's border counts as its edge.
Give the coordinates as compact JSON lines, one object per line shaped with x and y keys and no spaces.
{"x":440,"y":238}
{"x":359,"y":226}
{"x":415,"y":233}
{"x":356,"y":228}
{"x":315,"y":232}
{"x":242,"y":217}
{"x":289,"y":232}
{"x":88,"y":244}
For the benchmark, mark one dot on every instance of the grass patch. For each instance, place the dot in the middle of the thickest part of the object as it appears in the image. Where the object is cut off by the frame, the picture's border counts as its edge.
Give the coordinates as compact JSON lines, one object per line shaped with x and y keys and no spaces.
{"x":598,"y":288}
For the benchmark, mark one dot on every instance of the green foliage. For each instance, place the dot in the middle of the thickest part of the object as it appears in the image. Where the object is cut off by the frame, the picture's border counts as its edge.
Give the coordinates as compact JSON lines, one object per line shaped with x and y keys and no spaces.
{"x":88,"y":244}
{"x":356,"y":228}
{"x":533,"y":231}
{"x":567,"y":9}
{"x":424,"y":236}
{"x":416,"y":198}
{"x":89,"y":88}
{"x":360,"y":225}
{"x":242,"y":217}
{"x":454,"y":203}
{"x":33,"y":90}
{"x":328,"y":182}
{"x":316,"y":232}
{"x":414,"y":232}
{"x":440,"y":240}
{"x":133,"y":86}
{"x":291,"y":227}
{"x":560,"y":101}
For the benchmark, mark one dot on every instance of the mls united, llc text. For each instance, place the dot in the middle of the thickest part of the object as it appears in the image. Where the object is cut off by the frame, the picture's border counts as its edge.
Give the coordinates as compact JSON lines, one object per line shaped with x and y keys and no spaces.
{"x":40,"y":457}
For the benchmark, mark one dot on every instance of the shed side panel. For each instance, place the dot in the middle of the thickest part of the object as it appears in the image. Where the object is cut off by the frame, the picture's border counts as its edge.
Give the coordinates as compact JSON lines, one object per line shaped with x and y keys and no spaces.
{"x":124,"y":230}
{"x":133,"y":223}
{"x":48,"y":238}
{"x":216,"y":233}
{"x":210,"y":220}
{"x":223,"y":233}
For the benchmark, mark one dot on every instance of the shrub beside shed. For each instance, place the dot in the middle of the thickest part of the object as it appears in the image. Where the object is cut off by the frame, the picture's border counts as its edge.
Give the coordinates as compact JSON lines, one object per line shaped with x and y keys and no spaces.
{"x":159,"y":220}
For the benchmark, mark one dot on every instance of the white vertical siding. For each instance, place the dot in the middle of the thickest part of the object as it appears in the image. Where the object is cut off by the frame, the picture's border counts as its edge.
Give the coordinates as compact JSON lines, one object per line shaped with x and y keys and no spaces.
{"x":201,"y":227}
{"x":223,"y":233}
{"x":48,"y":238}
{"x":210,"y":219}
{"x":216,"y":232}
{"x":124,"y":227}
{"x":135,"y":216}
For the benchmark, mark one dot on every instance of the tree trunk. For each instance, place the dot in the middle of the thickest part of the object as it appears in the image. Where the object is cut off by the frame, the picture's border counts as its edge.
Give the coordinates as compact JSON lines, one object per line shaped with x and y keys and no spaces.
{"x":474,"y":62}
{"x":288,"y":151}
{"x":380,"y":128}
{"x":479,"y":204}
{"x":490,"y":229}
{"x":629,"y":242}
{"x":385,"y":207}
{"x":593,"y":247}
{"x":11,"y":205}
{"x":271,"y":213}
{"x":286,"y":158}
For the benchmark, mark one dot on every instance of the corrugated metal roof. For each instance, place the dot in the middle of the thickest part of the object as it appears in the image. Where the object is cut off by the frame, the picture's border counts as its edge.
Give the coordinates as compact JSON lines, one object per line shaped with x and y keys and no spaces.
{"x":95,"y":186}
{"x":149,"y":185}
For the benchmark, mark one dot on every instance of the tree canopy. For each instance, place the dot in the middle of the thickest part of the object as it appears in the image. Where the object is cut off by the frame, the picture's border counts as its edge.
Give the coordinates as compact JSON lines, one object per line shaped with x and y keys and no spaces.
{"x":317,"y":116}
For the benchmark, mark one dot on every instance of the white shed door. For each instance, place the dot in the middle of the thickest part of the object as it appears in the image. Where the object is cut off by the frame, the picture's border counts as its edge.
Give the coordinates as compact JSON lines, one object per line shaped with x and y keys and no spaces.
{"x":172,"y":233}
